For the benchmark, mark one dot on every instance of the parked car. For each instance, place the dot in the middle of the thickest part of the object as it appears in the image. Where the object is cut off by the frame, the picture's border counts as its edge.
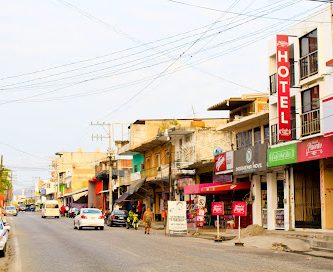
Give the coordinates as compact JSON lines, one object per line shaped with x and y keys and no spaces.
{"x":10,"y":210}
{"x":30,"y":208}
{"x":22,"y":208}
{"x":3,"y":238}
{"x":89,"y":217}
{"x":50,"y":209}
{"x":117,"y":218}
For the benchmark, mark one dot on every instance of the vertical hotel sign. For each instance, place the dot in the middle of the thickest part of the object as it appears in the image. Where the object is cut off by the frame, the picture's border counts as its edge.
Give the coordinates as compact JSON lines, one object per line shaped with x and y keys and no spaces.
{"x":283,"y":84}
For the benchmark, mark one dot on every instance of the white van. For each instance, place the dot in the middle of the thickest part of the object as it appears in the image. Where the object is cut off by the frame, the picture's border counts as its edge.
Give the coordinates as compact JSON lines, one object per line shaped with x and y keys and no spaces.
{"x":51,"y":209}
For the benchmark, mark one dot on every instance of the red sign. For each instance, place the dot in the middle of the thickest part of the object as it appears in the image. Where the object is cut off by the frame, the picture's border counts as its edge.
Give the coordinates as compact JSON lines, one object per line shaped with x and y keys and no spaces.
{"x":315,"y":149}
{"x":200,"y":218}
{"x":239,"y":208}
{"x":213,"y":188}
{"x":217,"y":208}
{"x":283,"y":86}
{"x":220,"y":163}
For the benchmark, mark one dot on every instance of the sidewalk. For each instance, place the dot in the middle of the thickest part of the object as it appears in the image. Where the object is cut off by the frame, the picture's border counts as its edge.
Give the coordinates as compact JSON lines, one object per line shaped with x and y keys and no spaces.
{"x":256,"y":236}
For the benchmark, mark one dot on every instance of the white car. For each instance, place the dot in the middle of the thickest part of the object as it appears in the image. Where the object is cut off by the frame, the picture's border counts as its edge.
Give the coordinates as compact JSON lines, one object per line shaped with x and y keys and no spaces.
{"x":3,"y":239}
{"x":10,"y":210}
{"x":89,"y":217}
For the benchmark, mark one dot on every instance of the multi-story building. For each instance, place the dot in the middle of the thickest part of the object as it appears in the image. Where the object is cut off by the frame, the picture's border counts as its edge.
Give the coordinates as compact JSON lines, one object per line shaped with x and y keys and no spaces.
{"x":161,"y":149}
{"x":71,"y":172}
{"x":245,"y":158}
{"x":300,"y":179}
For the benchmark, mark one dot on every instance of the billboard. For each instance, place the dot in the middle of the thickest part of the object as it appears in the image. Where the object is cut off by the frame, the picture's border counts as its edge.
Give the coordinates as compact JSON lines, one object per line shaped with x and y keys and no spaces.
{"x":283,"y":87}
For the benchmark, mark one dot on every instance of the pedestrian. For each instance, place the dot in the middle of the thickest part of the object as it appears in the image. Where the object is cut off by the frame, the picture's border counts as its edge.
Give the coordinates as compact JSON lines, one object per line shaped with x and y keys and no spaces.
{"x":147,"y":218}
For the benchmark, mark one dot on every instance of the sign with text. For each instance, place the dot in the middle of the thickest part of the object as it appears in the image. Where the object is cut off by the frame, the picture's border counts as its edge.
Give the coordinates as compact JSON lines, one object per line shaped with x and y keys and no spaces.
{"x":239,"y":208}
{"x":201,"y":201}
{"x":315,"y":149}
{"x":250,"y":159}
{"x":282,"y":155}
{"x":217,"y":208}
{"x":283,"y":87}
{"x":223,"y":162}
{"x":177,"y":222}
{"x":200,"y":218}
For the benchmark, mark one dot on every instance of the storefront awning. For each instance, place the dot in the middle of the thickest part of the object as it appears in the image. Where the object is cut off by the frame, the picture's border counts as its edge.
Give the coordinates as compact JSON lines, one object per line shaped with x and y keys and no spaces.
{"x":216,"y":187}
{"x":79,"y":195}
{"x":133,"y":188}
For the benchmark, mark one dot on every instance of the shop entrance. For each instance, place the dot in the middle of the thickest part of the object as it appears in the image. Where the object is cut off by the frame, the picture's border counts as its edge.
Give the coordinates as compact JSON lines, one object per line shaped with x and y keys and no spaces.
{"x":307,"y":195}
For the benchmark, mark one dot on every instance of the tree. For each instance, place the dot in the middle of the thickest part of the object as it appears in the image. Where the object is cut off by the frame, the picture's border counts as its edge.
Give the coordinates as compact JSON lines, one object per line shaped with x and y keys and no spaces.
{"x":5,"y":180}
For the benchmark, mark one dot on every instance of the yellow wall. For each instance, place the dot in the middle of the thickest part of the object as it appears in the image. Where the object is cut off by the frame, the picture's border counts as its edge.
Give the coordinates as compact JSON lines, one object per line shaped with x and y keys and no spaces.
{"x":327,"y":193}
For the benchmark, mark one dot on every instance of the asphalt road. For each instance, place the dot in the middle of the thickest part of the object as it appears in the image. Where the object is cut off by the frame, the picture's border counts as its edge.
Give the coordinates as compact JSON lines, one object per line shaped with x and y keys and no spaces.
{"x":53,"y":245}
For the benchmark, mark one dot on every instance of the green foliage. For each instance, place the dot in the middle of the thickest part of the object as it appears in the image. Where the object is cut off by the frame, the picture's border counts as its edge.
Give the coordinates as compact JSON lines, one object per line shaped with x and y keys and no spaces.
{"x":5,"y":180}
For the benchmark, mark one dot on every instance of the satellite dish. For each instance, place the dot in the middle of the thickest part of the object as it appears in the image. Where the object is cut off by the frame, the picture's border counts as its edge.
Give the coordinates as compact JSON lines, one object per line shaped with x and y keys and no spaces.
{"x":217,"y":151}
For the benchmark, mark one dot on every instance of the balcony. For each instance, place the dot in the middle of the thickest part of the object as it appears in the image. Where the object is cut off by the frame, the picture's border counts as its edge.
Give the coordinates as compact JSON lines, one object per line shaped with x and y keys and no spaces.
{"x":309,"y":65}
{"x":310,"y":123}
{"x":275,"y":133}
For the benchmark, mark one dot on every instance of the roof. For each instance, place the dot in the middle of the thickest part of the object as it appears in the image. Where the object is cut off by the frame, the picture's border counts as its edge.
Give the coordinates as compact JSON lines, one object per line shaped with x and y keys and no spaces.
{"x":231,"y":103}
{"x":255,"y":119}
{"x":150,"y":144}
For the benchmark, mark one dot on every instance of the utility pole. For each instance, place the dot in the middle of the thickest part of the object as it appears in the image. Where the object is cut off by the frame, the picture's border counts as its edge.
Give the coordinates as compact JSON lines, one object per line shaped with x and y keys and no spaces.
{"x":110,"y":155}
{"x":170,"y":171}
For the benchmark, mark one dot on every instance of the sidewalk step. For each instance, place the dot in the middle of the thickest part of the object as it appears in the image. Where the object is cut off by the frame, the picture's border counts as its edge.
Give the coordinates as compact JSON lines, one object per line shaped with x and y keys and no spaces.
{"x":322,"y":244}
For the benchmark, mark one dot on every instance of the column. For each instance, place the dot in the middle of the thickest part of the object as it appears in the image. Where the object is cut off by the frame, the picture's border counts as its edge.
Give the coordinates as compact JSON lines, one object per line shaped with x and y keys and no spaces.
{"x":271,"y":200}
{"x":291,"y":198}
{"x":286,"y":200}
{"x":256,"y":203}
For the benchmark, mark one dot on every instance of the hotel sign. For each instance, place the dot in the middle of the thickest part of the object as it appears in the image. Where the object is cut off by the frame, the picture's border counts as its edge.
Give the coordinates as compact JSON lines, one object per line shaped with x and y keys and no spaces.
{"x":223,"y":163}
{"x":283,"y":86}
{"x":282,"y":155}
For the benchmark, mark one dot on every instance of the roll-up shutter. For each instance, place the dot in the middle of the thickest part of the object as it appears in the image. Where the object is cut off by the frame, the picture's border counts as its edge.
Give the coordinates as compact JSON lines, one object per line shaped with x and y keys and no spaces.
{"x":280,"y":176}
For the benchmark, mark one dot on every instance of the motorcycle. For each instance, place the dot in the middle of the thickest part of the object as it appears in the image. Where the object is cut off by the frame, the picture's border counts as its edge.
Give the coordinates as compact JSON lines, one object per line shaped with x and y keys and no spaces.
{"x":132,"y":221}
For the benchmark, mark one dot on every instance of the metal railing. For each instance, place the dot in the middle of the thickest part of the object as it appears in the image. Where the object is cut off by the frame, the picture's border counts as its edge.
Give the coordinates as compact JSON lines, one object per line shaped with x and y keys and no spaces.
{"x":310,"y":122}
{"x":309,"y":64}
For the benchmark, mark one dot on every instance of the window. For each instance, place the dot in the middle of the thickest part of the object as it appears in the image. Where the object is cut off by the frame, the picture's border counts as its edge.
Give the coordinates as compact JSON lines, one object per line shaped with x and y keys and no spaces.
{"x":309,"y":54}
{"x":51,"y":206}
{"x":188,"y":138}
{"x":244,"y":139}
{"x":180,"y":143}
{"x":135,"y":168}
{"x":157,"y":160}
{"x":257,"y":135}
{"x":91,"y":211}
{"x":310,"y":99}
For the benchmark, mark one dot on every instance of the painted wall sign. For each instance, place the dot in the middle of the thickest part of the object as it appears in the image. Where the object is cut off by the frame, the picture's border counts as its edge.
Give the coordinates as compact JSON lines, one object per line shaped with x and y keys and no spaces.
{"x":327,"y":117}
{"x":282,"y":155}
{"x":250,"y":159}
{"x":239,"y":208}
{"x":283,"y":86}
{"x":223,"y":162}
{"x":315,"y":149}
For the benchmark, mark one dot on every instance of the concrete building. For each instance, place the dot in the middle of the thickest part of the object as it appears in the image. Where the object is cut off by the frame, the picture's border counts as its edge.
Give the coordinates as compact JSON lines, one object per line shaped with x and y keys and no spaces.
{"x":71,"y":172}
{"x":301,"y":169}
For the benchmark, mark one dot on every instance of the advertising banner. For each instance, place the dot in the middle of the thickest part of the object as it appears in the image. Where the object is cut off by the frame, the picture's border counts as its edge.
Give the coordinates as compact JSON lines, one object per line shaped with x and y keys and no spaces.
{"x":217,"y":208}
{"x":177,"y":222}
{"x":315,"y":149}
{"x":282,"y":155}
{"x":250,"y":159}
{"x":200,"y":219}
{"x":239,"y":208}
{"x":223,"y":163}
{"x":283,"y":87}
{"x":327,"y":117}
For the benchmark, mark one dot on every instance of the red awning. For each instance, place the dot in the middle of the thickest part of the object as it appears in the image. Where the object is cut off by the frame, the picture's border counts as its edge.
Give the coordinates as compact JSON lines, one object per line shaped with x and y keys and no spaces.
{"x":227,"y":187}
{"x":213,"y":188}
{"x":329,"y":63}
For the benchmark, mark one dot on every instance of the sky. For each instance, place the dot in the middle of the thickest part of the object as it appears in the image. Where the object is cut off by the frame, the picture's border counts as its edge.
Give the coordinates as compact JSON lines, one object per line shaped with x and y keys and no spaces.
{"x":67,"y":63}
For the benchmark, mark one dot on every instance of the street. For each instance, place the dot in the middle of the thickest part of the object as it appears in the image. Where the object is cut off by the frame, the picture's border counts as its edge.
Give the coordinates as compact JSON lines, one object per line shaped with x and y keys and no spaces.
{"x":53,"y":245}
